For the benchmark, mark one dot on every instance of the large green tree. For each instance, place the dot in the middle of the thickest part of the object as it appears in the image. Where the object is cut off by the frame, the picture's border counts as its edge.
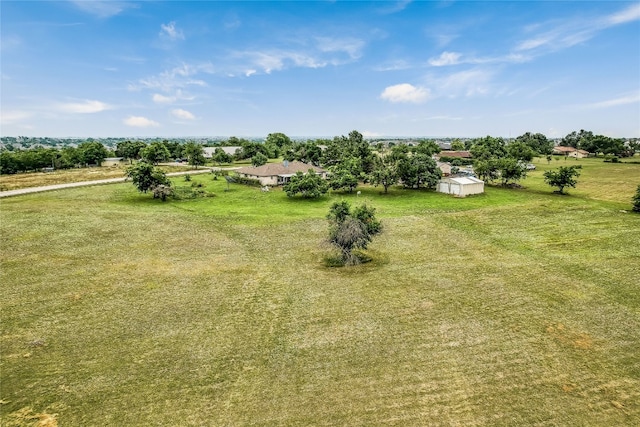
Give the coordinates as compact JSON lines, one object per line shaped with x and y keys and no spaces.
{"x":565,"y":176}
{"x":145,"y":177}
{"x":385,"y":173}
{"x":93,"y":153}
{"x":537,"y":142}
{"x":418,"y":171}
{"x":155,"y":153}
{"x":194,"y":153}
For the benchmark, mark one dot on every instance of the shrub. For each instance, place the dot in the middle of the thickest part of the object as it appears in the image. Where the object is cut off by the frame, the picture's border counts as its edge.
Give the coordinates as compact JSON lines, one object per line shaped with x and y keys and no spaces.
{"x":636,"y":201}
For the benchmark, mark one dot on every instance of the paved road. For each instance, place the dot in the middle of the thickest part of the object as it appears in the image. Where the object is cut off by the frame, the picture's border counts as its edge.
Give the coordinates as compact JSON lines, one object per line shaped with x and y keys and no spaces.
{"x":30,"y":190}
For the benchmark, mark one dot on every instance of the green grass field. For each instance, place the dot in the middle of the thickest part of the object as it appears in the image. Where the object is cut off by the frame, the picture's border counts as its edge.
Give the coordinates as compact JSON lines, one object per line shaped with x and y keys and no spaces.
{"x":518,"y":307}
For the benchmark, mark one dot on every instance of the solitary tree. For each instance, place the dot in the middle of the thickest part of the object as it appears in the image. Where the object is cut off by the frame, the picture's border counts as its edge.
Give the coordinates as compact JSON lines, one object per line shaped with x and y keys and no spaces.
{"x":565,"y":176}
{"x":146,"y":177}
{"x":350,"y":230}
{"x":636,"y":201}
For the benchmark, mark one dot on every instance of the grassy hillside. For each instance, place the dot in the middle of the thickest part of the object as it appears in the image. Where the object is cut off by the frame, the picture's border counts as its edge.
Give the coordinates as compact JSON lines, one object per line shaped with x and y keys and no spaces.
{"x":516,"y":307}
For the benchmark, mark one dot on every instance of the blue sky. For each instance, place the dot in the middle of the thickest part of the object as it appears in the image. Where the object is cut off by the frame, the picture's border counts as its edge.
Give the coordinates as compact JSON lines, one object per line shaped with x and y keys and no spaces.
{"x":306,"y":68}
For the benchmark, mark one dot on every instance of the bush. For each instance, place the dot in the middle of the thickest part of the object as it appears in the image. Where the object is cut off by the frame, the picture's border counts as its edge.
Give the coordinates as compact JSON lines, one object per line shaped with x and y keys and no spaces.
{"x":252,"y":182}
{"x":610,"y":158}
{"x":636,"y":201}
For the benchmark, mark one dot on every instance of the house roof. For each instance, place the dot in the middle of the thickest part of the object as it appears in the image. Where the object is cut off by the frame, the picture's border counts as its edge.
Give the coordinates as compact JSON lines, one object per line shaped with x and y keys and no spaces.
{"x":280,"y":169}
{"x":464,"y":180}
{"x":460,"y":154}
{"x":563,"y":149}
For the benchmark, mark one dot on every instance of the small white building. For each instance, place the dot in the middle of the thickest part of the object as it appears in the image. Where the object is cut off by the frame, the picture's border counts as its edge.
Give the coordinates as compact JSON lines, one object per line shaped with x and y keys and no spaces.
{"x":461,"y":186}
{"x":210,"y":151}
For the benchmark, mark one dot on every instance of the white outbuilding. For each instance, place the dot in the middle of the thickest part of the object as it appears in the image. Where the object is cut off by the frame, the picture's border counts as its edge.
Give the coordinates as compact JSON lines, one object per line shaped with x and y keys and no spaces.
{"x":461,"y":186}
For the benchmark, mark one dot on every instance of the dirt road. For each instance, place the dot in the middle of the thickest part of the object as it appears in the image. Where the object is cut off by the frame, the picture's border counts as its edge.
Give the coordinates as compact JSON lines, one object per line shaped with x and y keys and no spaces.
{"x":30,"y":190}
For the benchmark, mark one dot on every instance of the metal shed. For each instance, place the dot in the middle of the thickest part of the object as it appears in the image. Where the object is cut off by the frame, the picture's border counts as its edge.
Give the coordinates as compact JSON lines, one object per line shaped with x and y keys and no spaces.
{"x":461,"y":186}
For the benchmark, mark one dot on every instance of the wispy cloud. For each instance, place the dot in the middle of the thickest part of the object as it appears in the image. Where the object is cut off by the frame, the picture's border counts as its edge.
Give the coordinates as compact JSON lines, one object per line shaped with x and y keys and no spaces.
{"x":140,"y":122}
{"x":394,"y":7}
{"x":446,"y":58}
{"x":175,"y":78}
{"x":632,"y":98}
{"x":169,"y":31}
{"x":103,"y":9}
{"x":85,"y":107}
{"x":13,"y":116}
{"x":570,"y":32}
{"x":405,"y":92}
{"x":182,"y":114}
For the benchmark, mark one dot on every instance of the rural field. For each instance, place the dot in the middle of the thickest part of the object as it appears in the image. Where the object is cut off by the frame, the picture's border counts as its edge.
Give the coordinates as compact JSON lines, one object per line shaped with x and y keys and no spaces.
{"x":518,"y":307}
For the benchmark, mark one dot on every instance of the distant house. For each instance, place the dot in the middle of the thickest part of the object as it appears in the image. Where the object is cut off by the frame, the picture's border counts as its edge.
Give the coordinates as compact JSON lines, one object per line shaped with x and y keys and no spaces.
{"x":210,"y":151}
{"x":570,"y":152}
{"x":456,"y":154}
{"x":278,"y":173}
{"x":444,"y":167}
{"x":112,"y":161}
{"x":461,"y":186}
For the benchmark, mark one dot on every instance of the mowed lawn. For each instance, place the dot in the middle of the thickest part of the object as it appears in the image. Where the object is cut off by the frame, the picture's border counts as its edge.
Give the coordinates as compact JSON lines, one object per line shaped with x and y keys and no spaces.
{"x":518,"y":307}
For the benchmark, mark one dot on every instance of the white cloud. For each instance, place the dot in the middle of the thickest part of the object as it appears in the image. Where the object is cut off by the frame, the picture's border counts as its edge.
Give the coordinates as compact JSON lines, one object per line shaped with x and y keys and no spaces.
{"x":182,"y":114}
{"x":13,"y":116}
{"x":86,"y":107}
{"x":140,"y":122}
{"x":406,"y":92}
{"x":161,"y":99}
{"x":468,"y":83}
{"x":446,"y":58}
{"x":171,"y":32}
{"x":103,"y":9}
{"x":630,"y":14}
{"x":351,"y":46}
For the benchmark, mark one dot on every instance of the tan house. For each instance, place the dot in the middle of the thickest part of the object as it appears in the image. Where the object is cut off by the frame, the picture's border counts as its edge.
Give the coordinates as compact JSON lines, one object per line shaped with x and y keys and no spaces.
{"x":279,"y":173}
{"x":445,"y":168}
{"x":570,"y":152}
{"x":461,"y":186}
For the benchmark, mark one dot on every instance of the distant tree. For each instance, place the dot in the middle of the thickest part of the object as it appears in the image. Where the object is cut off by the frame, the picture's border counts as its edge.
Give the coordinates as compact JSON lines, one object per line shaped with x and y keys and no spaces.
{"x":220,"y":156}
{"x":417,"y":171}
{"x":259,"y":159}
{"x":146,"y":177}
{"x":537,"y":142}
{"x":385,"y":173}
{"x":511,"y":170}
{"x":578,"y":139}
{"x":565,"y":176}
{"x":155,"y":153}
{"x":636,"y":201}
{"x":345,"y":174}
{"x":488,"y":147}
{"x":457,"y":145}
{"x":278,"y":139}
{"x":309,"y":185}
{"x":487,"y":169}
{"x":352,"y":230}
{"x":428,"y":148}
{"x":194,"y":153}
{"x":93,"y":153}
{"x":129,"y":150}
{"x":175,"y":149}
{"x":520,"y":151}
